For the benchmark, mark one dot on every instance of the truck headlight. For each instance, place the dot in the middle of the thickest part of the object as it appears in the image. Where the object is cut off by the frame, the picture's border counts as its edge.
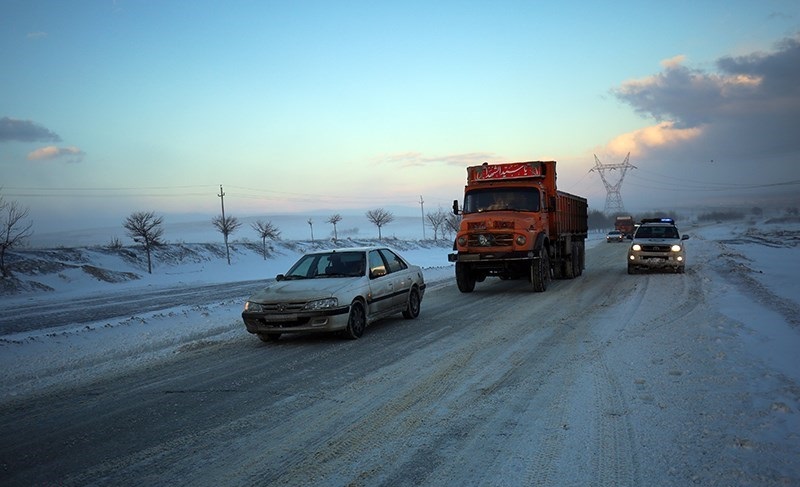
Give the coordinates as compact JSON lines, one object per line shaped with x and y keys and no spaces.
{"x":521,"y":240}
{"x":462,"y":241}
{"x":321,"y":304}
{"x":253,"y":307}
{"x":636,"y":247}
{"x":676,"y":248}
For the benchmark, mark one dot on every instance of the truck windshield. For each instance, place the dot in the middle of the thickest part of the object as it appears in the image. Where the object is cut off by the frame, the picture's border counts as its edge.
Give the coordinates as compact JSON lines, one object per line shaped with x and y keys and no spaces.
{"x":501,"y":199}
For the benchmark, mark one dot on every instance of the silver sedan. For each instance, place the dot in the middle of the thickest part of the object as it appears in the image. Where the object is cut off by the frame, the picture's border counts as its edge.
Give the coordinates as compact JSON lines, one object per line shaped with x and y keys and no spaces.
{"x":336,"y":290}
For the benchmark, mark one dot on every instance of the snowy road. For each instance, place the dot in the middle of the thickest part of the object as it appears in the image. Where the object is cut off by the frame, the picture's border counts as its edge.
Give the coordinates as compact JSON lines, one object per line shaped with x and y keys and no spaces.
{"x":21,"y":316}
{"x":607,"y":379}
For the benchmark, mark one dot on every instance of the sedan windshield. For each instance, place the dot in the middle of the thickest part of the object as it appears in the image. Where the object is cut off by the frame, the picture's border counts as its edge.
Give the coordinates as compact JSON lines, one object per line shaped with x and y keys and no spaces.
{"x":333,"y":264}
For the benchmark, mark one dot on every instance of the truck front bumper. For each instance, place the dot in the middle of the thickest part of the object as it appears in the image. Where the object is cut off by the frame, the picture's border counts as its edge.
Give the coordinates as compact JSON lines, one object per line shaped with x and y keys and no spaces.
{"x":489,"y":256}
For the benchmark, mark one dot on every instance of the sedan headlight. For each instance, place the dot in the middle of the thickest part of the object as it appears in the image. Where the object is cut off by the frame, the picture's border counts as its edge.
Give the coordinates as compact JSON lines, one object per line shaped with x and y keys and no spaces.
{"x":675,"y":248}
{"x":636,"y":247}
{"x":253,"y":307}
{"x":321,"y":304}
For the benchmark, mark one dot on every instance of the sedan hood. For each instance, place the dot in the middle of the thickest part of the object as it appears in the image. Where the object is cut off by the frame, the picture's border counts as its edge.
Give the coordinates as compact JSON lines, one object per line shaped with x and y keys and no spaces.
{"x":303,"y":289}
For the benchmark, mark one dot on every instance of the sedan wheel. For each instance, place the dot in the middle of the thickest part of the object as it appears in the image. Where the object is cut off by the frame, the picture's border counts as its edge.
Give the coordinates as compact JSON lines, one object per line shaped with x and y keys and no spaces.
{"x":356,"y":322}
{"x":412,"y":308}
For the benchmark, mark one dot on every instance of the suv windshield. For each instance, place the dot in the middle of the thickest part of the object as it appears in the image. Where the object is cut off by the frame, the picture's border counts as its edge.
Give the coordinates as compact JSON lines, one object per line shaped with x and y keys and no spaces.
{"x":496,"y":199}
{"x":656,"y":232}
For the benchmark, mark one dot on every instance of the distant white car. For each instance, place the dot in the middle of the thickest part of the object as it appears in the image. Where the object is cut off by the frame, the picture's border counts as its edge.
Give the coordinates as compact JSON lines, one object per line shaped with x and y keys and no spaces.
{"x":336,"y":290}
{"x":615,"y":236}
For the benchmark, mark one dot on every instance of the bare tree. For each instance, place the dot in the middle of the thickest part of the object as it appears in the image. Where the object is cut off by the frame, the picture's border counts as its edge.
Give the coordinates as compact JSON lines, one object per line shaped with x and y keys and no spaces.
{"x":226,"y":225}
{"x":334,"y":219}
{"x":15,"y":229}
{"x":311,"y":224}
{"x":451,"y":224}
{"x":436,"y":220}
{"x":144,"y":227}
{"x":266,"y":230}
{"x":379,"y":217}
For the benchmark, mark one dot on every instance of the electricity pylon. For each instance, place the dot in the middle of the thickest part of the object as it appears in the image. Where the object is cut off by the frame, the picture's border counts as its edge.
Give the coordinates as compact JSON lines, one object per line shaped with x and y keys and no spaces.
{"x":613,"y":195}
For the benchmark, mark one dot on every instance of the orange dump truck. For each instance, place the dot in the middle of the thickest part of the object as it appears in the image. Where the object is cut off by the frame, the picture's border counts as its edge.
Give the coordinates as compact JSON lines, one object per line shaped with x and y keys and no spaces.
{"x":515,"y":224}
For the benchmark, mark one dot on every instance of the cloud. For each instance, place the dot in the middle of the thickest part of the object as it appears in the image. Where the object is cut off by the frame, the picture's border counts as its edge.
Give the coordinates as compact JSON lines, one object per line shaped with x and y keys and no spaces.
{"x":749,"y":107}
{"x":406,"y":159}
{"x":70,"y":154}
{"x":25,"y":131}
{"x":639,"y":141}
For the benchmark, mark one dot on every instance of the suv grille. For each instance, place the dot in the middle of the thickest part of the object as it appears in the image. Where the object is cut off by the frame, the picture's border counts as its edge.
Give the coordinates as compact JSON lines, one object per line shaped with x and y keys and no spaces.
{"x":656,"y":248}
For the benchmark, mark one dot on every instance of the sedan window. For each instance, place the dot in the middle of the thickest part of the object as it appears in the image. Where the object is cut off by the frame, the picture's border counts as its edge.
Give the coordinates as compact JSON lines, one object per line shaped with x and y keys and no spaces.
{"x":395,"y":263}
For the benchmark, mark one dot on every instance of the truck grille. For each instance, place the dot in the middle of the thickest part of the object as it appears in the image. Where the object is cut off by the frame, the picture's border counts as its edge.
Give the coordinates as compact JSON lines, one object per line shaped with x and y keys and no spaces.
{"x":490,"y":240}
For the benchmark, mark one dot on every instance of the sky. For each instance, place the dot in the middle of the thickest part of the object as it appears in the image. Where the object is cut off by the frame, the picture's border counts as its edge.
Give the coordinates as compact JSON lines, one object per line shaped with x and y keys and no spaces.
{"x":111,"y":107}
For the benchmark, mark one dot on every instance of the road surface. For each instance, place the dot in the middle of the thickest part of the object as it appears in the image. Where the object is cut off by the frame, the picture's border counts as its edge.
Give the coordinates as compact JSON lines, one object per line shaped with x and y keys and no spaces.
{"x":607,"y":379}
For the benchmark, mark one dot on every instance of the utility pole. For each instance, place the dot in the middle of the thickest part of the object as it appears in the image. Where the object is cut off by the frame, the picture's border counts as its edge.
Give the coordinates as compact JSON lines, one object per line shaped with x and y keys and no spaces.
{"x":224,"y":223}
{"x":422,"y":208}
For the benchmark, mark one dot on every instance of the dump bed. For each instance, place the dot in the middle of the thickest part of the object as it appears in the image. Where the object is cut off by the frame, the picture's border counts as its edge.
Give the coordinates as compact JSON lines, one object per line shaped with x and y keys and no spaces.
{"x":570,"y":215}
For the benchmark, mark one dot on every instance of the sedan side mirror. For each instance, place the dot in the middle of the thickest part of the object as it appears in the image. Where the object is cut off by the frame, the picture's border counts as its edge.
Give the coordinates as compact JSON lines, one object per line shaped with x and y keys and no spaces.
{"x":280,"y":277}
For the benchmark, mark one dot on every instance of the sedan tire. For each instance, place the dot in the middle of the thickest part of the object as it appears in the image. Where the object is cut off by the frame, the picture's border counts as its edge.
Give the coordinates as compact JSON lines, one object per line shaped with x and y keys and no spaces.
{"x":356,"y":322}
{"x":412,"y":308}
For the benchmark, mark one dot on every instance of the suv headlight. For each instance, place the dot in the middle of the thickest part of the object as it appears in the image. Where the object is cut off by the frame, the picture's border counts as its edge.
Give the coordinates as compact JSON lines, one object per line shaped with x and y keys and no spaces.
{"x":676,"y":248}
{"x":253,"y":307}
{"x":636,"y":247}
{"x":321,"y":304}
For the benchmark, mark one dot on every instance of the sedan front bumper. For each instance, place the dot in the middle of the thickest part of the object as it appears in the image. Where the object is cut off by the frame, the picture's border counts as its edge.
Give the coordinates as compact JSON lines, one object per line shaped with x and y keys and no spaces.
{"x":332,"y":319}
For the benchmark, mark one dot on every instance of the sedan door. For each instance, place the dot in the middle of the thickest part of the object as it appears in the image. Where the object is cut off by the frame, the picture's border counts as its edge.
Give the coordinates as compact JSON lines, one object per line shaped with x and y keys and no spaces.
{"x":381,"y":284}
{"x":400,"y":276}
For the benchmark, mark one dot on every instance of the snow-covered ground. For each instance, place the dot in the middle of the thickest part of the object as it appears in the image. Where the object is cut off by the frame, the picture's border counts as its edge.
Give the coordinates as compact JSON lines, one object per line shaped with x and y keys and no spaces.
{"x":759,"y":254}
{"x":33,"y":360}
{"x":663,"y":372}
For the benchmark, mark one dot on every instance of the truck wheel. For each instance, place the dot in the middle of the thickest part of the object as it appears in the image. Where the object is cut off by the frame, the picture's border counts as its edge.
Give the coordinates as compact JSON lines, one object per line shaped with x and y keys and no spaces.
{"x":576,"y":260}
{"x":569,"y":268}
{"x":464,"y":278}
{"x":540,"y":272}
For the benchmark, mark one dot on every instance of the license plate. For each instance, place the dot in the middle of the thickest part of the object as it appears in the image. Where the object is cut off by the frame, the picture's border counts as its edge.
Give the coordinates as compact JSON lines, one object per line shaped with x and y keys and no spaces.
{"x":280,"y":318}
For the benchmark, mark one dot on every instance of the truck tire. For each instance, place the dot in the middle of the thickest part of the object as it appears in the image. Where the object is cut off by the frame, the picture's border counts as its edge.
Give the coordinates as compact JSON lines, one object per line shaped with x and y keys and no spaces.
{"x":464,"y":278}
{"x":570,"y":263}
{"x":576,"y":260}
{"x":540,"y":272}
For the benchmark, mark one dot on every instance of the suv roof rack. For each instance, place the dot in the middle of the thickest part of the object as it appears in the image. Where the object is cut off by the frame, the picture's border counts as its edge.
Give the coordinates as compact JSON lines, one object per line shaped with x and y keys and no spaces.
{"x":658,"y":220}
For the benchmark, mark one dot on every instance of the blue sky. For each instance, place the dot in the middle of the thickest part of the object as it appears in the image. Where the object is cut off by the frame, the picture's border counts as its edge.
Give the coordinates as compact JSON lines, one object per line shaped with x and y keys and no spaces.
{"x":110,"y":107}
